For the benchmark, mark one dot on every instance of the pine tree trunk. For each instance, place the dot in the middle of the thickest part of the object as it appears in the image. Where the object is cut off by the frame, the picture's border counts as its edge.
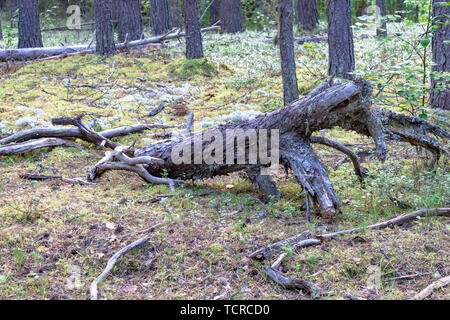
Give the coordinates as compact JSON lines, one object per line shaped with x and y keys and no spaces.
{"x":381,"y":18}
{"x":440,"y":89}
{"x":194,"y":45}
{"x":160,"y":16}
{"x":307,"y":15}
{"x":104,"y":29}
{"x":1,"y":31}
{"x":400,"y":8}
{"x":214,"y":12}
{"x":286,"y":42}
{"x":231,"y":19}
{"x":116,"y":4}
{"x":130,"y":20}
{"x":340,"y":38}
{"x":29,"y":24}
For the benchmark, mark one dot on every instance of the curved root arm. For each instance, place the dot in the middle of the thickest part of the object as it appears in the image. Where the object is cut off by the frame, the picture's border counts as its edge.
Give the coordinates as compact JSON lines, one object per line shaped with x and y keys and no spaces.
{"x":336,"y":145}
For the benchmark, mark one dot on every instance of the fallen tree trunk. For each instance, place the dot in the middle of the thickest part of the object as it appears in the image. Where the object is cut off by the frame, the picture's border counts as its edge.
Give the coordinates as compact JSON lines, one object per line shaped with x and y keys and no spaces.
{"x":36,"y":53}
{"x":234,"y":146}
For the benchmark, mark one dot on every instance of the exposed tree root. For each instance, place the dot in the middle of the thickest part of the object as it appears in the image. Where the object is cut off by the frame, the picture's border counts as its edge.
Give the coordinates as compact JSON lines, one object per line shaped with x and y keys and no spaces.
{"x":359,"y":171}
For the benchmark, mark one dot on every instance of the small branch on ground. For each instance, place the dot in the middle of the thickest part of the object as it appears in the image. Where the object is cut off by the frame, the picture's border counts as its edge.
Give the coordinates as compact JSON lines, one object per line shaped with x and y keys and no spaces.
{"x":112,"y":262}
{"x":442,"y":282}
{"x":292,"y":283}
{"x":301,"y":240}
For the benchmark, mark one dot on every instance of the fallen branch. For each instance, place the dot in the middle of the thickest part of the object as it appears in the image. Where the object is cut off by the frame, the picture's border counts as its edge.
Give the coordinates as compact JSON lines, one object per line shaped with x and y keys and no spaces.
{"x":278,"y":246}
{"x":35,"y":53}
{"x":24,"y":147}
{"x":112,"y":261}
{"x":292,"y":283}
{"x":66,"y":180}
{"x":301,"y":240}
{"x":76,"y":133}
{"x":442,"y":282}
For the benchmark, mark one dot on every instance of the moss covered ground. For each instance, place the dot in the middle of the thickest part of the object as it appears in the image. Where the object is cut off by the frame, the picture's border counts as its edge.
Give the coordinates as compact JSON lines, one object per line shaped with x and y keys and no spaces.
{"x":56,"y":238}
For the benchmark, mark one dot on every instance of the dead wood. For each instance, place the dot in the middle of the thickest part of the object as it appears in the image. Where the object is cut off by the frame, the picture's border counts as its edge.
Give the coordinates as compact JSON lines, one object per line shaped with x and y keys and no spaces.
{"x":331,"y":104}
{"x":442,"y":282}
{"x":58,"y":178}
{"x":28,"y":146}
{"x":276,"y":247}
{"x":360,"y":172}
{"x":36,"y":53}
{"x":292,"y":283}
{"x":301,"y":240}
{"x":75,"y":133}
{"x":111,"y":262}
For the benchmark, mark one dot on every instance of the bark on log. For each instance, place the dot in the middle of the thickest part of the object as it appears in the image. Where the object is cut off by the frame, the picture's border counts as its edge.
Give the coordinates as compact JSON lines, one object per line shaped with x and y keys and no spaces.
{"x":236,"y":146}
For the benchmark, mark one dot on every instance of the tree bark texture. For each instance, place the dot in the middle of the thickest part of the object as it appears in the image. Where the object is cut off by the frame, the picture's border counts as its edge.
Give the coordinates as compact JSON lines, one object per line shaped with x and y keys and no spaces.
{"x":160,"y":16}
{"x":104,"y":33}
{"x":231,"y":19}
{"x":194,"y":45}
{"x":341,"y":58}
{"x":286,"y":42}
{"x":29,"y":24}
{"x":440,"y":89}
{"x":307,"y":14}
{"x":129,"y":20}
{"x":381,"y":18}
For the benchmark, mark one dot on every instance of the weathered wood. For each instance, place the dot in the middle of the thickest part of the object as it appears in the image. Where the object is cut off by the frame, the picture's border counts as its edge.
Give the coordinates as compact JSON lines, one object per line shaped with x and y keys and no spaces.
{"x":442,"y":282}
{"x":299,"y":240}
{"x":56,"y":132}
{"x":331,"y":104}
{"x":28,"y":146}
{"x":268,"y":251}
{"x":36,"y":53}
{"x":297,"y":153}
{"x":292,"y":283}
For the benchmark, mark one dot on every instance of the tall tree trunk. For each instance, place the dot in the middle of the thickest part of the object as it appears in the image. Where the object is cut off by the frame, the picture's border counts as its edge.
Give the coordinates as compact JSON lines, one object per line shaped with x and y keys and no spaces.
{"x":214,"y":12}
{"x":29,"y":24}
{"x":440,"y":89}
{"x":231,"y":16}
{"x":286,"y":42}
{"x":1,"y":31}
{"x":381,"y":18}
{"x":160,"y":16}
{"x":104,"y":29}
{"x":130,"y":20}
{"x":400,"y":8}
{"x":115,"y":9}
{"x":194,"y":45}
{"x":307,"y":15}
{"x":340,"y":38}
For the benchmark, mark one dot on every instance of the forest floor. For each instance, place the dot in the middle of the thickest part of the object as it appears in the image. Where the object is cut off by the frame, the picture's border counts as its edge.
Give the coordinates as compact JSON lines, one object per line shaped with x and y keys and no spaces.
{"x":56,"y":238}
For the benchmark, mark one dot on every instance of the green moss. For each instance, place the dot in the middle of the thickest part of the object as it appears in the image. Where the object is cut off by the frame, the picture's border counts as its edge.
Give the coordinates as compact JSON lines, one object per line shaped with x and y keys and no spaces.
{"x":192,"y":67}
